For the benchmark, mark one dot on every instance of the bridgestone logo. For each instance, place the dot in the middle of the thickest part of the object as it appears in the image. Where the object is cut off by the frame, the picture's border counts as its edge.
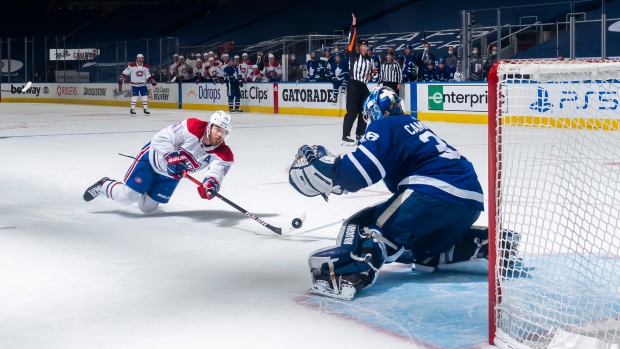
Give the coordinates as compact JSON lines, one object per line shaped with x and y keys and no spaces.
{"x":89,"y":91}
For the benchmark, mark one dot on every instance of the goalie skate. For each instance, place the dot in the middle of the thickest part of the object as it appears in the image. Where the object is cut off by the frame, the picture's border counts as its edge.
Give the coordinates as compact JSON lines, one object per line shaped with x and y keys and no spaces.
{"x":322,"y":288}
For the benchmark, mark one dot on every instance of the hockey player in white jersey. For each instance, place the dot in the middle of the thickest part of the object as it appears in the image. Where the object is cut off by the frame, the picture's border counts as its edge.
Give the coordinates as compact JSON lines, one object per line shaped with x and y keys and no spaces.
{"x":182,"y":71}
{"x":139,"y":75}
{"x":436,"y":197}
{"x":189,"y":146}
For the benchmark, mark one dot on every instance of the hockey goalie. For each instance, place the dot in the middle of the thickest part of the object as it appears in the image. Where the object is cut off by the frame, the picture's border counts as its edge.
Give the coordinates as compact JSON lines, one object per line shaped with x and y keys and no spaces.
{"x":436,"y":198}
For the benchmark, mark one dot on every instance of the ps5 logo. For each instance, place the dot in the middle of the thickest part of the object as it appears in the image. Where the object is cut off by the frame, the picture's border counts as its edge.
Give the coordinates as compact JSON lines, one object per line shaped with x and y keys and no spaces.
{"x":542,"y":103}
{"x":575,"y":99}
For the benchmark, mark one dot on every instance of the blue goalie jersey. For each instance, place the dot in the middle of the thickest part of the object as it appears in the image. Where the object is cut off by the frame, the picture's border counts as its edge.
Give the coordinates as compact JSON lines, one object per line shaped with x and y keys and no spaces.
{"x":406,"y":154}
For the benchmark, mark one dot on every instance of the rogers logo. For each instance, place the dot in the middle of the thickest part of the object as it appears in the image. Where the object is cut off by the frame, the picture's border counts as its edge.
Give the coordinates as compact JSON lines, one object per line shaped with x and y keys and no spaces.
{"x":67,"y":91}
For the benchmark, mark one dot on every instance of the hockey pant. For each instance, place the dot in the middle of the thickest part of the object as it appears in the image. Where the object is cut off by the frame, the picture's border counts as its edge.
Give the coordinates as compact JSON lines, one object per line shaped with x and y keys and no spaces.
{"x":142,"y":185}
{"x":234,"y":95}
{"x":357,"y":92}
{"x":139,"y":91}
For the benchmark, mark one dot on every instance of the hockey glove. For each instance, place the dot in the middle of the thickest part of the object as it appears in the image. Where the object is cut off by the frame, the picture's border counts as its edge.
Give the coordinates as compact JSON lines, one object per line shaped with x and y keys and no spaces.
{"x":180,"y":79}
{"x":177,"y":164}
{"x":209,"y":188}
{"x":153,"y":82}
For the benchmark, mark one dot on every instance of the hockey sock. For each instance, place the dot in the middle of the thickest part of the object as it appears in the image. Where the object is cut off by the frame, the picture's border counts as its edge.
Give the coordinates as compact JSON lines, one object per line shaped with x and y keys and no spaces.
{"x":134,"y":99}
{"x":120,"y":192}
{"x":145,"y":102}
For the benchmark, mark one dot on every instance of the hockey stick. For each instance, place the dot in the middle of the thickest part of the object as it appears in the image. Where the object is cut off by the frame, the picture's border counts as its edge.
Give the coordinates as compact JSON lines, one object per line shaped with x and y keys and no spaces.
{"x":24,"y":89}
{"x":296,"y":223}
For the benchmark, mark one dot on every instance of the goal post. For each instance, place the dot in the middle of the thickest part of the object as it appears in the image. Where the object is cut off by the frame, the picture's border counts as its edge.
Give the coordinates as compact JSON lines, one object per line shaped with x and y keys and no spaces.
{"x":554,"y":182}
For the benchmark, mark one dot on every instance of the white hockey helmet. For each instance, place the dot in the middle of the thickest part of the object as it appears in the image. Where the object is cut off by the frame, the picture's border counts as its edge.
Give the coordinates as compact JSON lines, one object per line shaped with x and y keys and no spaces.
{"x":255,"y":66}
{"x":139,"y":55}
{"x":244,"y":54}
{"x":221,"y":119}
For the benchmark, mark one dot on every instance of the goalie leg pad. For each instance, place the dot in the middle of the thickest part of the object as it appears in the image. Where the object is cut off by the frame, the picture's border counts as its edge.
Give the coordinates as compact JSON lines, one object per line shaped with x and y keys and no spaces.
{"x":353,"y":264}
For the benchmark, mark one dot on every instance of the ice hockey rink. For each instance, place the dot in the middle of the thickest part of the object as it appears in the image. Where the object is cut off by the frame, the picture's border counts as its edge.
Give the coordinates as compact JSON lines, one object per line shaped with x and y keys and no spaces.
{"x":198,"y":273}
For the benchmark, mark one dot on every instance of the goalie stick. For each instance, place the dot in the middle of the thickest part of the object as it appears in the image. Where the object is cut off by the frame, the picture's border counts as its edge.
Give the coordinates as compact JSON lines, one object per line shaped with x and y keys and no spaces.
{"x":297,"y":221}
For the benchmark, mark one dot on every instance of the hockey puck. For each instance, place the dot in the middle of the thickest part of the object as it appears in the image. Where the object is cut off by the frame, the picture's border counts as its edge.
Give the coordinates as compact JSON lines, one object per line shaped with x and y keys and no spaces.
{"x":297,"y":223}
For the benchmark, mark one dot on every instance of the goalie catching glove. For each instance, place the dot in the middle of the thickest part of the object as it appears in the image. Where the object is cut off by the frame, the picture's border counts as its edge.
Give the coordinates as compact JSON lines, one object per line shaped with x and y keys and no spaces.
{"x":311,"y":173}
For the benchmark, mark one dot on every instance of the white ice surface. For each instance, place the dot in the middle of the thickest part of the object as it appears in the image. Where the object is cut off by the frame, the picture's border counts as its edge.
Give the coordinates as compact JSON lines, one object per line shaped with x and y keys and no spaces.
{"x":194,"y":274}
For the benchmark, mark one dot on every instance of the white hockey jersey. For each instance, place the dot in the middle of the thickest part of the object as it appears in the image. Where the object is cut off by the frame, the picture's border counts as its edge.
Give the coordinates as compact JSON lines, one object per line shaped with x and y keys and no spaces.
{"x":182,"y":70}
{"x":139,"y":74}
{"x":186,"y":137}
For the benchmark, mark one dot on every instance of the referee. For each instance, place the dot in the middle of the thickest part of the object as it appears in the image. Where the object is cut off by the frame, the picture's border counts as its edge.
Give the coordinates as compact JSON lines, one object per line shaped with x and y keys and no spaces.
{"x":391,"y":73}
{"x":360,"y":64}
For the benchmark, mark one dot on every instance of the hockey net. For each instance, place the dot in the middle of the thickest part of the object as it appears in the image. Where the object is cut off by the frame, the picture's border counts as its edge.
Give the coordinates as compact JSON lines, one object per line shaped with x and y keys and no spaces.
{"x":554,"y":180}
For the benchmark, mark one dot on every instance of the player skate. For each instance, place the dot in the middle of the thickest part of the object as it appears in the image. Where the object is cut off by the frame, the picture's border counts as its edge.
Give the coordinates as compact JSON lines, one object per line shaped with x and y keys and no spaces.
{"x":132,"y":112}
{"x":147,"y":112}
{"x":95,"y":190}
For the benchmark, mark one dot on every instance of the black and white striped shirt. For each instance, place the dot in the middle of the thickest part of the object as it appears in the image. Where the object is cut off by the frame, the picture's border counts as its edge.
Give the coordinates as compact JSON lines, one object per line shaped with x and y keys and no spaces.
{"x":391,"y":72}
{"x":359,"y":66}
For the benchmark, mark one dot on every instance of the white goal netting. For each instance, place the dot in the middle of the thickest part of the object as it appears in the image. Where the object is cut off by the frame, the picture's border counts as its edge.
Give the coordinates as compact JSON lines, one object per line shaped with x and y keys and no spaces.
{"x":555,"y":153}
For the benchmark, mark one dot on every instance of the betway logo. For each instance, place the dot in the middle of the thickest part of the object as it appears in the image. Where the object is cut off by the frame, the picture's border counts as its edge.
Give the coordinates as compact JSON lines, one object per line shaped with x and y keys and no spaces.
{"x":18,"y":90}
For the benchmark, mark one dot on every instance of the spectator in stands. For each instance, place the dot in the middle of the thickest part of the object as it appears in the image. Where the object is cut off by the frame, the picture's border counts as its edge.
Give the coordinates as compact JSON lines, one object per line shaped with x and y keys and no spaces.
{"x":430,"y":72}
{"x":227,"y":46}
{"x":315,"y":68}
{"x":294,"y":70}
{"x":260,"y":61}
{"x":446,"y":73}
{"x":424,"y":56}
{"x":475,"y":66}
{"x":410,"y":70}
{"x":451,"y":59}
{"x":273,"y":69}
{"x":488,"y":63}
{"x":336,"y":48}
{"x":391,"y":73}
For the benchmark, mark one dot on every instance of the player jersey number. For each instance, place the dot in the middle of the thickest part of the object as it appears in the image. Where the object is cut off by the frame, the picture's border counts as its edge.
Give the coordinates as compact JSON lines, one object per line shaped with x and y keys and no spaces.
{"x":441,"y":146}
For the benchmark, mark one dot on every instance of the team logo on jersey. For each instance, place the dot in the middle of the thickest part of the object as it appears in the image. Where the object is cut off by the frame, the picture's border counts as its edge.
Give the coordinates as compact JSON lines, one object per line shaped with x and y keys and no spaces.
{"x":369,"y":136}
{"x":138,"y":180}
{"x":139,"y":73}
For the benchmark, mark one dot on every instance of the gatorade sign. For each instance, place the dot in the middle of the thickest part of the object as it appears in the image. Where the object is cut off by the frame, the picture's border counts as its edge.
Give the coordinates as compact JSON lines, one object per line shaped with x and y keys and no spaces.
{"x":455,"y":97}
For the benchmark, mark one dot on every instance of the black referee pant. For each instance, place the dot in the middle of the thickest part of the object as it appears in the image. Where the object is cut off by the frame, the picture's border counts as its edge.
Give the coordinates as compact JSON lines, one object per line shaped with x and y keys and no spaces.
{"x":357,"y":92}
{"x":392,"y":85}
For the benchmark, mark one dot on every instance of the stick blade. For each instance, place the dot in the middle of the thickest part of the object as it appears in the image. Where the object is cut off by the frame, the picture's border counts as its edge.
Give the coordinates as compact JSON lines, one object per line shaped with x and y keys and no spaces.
{"x":27,"y":87}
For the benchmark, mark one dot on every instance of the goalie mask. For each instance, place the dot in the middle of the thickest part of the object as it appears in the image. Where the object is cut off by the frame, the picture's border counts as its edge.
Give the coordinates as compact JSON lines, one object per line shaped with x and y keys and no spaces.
{"x":222,"y":120}
{"x":381,"y":102}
